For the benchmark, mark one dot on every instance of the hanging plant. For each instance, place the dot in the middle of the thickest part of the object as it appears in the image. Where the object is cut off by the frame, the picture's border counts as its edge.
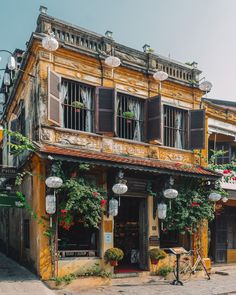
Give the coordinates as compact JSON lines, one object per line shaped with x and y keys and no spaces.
{"x":188,"y":210}
{"x":78,"y":105}
{"x":129,"y":116}
{"x":83,"y":201}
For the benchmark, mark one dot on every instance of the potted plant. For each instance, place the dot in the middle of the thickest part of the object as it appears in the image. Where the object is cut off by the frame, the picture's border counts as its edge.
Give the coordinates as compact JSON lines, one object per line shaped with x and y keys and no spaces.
{"x":113,"y":255}
{"x":156,"y":255}
{"x":78,"y":105}
{"x":129,"y":116}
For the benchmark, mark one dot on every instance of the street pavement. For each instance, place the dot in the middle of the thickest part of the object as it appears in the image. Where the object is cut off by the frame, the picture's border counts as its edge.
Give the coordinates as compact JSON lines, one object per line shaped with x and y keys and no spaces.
{"x":17,"y":280}
{"x":219,"y":284}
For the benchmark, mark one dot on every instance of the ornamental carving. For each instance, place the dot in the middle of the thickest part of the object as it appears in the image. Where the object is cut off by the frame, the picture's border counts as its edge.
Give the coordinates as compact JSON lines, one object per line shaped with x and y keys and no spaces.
{"x":175,"y":156}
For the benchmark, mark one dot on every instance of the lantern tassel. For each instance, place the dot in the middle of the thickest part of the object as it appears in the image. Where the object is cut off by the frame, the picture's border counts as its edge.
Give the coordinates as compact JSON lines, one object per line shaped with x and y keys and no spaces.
{"x":161,"y":225}
{"x":170,"y":204}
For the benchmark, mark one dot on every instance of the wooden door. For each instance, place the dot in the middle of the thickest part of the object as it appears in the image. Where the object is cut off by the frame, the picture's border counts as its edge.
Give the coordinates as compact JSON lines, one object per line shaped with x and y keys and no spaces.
{"x":143,"y":235}
{"x":221,"y":239}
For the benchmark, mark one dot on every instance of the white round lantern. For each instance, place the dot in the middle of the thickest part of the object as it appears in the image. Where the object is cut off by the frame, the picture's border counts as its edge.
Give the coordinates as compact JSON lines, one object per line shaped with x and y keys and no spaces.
{"x":161,"y":210}
{"x":50,"y":204}
{"x":11,"y":63}
{"x":214,"y":197}
{"x":6,"y":79}
{"x":224,"y":200}
{"x":113,"y":207}
{"x":54,"y":182}
{"x":50,"y":43}
{"x":112,"y":61}
{"x":205,"y":86}
{"x":119,"y":188}
{"x":170,"y":193}
{"x":160,"y":76}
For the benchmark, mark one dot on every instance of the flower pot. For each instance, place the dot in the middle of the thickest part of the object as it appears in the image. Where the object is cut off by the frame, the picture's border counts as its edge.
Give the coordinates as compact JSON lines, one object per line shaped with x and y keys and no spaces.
{"x":77,"y":110}
{"x":129,"y":121}
{"x":154,"y":261}
{"x":113,"y":263}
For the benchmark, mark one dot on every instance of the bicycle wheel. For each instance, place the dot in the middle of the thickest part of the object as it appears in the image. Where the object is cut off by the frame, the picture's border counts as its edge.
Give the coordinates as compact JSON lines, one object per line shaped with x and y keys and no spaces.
{"x":185,"y":270}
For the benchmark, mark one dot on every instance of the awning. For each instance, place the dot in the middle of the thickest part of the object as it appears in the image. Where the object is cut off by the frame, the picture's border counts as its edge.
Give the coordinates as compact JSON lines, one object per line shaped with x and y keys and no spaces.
{"x":126,"y":162}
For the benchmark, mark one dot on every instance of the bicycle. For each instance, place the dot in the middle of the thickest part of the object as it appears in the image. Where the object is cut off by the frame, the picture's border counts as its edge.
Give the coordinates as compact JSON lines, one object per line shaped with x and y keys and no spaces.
{"x":187,"y":268}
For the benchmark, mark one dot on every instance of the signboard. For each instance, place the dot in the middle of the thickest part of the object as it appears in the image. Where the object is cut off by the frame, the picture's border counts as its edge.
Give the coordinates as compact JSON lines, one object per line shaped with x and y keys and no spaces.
{"x":154,"y":241}
{"x":7,"y":201}
{"x":7,"y":172}
{"x":108,"y":238}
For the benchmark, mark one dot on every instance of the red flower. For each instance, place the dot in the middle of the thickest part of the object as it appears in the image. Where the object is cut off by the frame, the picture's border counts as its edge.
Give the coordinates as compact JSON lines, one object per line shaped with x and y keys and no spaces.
{"x":103,"y":202}
{"x":73,"y":174}
{"x":227,"y":171}
{"x":63,"y":211}
{"x":195,"y":204}
{"x":234,"y":178}
{"x":95,"y":194}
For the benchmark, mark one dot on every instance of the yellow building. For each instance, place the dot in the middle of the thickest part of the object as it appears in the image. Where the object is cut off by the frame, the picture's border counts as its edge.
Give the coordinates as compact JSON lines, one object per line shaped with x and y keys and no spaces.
{"x":77,"y":110}
{"x":222,"y":133}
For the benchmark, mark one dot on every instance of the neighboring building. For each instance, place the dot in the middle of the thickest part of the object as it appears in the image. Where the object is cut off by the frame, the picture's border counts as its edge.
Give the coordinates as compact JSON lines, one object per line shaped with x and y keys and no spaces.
{"x":156,"y":144}
{"x":222,"y":136}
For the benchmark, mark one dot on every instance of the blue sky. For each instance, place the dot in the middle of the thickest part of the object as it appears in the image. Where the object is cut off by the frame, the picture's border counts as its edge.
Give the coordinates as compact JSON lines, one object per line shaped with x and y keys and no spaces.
{"x":187,"y":30}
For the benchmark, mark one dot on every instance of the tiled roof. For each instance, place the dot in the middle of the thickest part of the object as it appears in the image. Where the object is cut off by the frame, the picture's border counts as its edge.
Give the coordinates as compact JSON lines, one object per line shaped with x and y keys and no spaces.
{"x":129,"y":160}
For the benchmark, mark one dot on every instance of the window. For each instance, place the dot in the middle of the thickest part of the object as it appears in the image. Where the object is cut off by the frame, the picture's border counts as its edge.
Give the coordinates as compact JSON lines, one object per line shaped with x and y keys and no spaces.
{"x":175,"y":127}
{"x":130,"y":117}
{"x":221,"y":146}
{"x":78,"y":241}
{"x":78,"y":105}
{"x":26,"y":233}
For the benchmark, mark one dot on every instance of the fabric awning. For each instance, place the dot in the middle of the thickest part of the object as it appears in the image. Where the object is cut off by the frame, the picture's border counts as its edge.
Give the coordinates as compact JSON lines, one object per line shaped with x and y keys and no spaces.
{"x":126,"y":162}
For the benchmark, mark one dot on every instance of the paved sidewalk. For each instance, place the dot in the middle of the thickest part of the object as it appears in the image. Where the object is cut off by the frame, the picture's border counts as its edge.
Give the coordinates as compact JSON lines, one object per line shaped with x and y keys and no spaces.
{"x":17,"y":280}
{"x":219,"y":284}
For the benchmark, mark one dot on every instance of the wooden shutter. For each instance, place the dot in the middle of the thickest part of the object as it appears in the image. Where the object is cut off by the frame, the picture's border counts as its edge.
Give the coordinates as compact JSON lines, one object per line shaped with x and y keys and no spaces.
{"x":154,"y":119}
{"x":197,"y":129}
{"x":54,"y":101}
{"x":105,"y":121}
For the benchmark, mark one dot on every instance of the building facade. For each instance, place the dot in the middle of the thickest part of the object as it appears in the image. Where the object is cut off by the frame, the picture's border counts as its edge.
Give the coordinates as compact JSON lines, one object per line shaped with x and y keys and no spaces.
{"x":74,"y":108}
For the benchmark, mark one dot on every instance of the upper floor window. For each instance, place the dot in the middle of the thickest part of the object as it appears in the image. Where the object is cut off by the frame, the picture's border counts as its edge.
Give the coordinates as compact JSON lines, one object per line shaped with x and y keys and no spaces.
{"x":130,"y":117}
{"x":78,"y":105}
{"x":175,"y":127}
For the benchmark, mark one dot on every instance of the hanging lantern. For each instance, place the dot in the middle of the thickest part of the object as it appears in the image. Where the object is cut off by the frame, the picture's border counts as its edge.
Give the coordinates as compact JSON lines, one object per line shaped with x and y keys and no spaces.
{"x":170,"y":193}
{"x":11,"y":63}
{"x":214,"y":197}
{"x":112,"y":61}
{"x":119,"y":188}
{"x":224,"y":200}
{"x":51,"y":204}
{"x":113,"y":207}
{"x":160,"y":76}
{"x":50,"y":43}
{"x":161,"y":210}
{"x":54,"y":182}
{"x":6,"y":79}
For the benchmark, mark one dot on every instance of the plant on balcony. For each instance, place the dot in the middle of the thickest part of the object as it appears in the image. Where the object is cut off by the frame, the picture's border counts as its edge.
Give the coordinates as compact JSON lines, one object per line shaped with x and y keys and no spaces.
{"x":156,"y":255}
{"x":129,"y":116}
{"x":113,"y":255}
{"x":77,"y":105}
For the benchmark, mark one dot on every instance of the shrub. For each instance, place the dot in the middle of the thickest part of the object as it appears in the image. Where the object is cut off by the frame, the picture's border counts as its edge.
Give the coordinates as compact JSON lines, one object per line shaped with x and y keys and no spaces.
{"x":113,"y":254}
{"x":164,"y":271}
{"x":157,"y":254}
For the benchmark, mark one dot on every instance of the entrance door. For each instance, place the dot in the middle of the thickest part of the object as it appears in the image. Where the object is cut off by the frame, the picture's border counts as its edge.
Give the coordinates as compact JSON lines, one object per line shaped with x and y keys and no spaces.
{"x":143,"y":235}
{"x":221,"y":239}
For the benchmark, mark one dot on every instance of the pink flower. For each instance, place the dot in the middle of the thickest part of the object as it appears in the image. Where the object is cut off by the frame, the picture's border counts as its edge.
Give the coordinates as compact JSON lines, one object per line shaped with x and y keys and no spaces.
{"x":63,"y":211}
{"x":95,"y":194}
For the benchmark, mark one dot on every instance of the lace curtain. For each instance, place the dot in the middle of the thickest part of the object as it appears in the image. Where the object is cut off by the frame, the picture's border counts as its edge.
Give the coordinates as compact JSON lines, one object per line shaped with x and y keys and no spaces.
{"x":178,"y":124}
{"x":134,"y":107}
{"x":86,"y":96}
{"x":64,"y":96}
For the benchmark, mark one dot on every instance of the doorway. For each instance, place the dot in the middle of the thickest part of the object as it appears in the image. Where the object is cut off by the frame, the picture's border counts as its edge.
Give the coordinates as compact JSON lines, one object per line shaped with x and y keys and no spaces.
{"x":131,"y":234}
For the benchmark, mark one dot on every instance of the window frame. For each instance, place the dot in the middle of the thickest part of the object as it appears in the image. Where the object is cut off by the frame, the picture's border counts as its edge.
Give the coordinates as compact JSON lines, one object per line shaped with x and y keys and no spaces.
{"x":186,"y":147}
{"x":143,"y":114}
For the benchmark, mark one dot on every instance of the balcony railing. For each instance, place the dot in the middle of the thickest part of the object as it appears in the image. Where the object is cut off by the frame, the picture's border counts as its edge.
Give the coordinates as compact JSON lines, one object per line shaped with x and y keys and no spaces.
{"x":228,"y":180}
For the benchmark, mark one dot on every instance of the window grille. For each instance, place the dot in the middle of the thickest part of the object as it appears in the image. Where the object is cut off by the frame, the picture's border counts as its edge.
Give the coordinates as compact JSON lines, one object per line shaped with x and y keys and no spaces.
{"x":127,"y":126}
{"x":78,"y":105}
{"x":175,"y":127}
